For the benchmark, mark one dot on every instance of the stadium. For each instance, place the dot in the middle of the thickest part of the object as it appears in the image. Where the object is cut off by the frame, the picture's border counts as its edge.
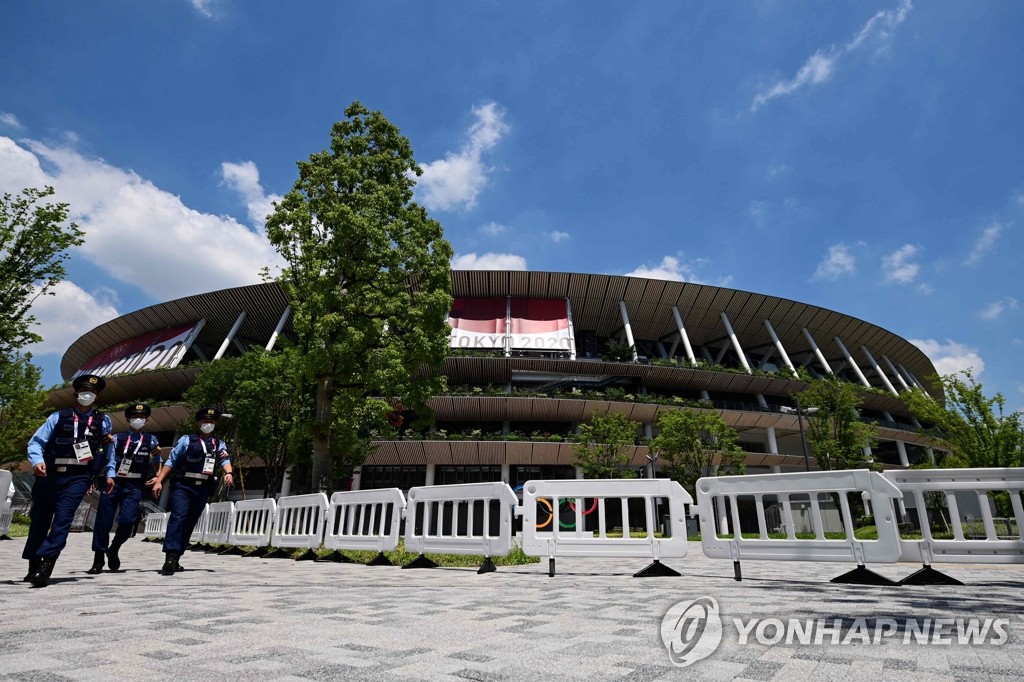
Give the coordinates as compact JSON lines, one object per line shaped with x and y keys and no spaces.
{"x":534,"y":354}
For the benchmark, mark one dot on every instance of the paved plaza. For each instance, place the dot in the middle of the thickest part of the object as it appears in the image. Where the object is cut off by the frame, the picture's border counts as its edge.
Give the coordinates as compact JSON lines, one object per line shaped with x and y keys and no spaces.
{"x":232,"y":618}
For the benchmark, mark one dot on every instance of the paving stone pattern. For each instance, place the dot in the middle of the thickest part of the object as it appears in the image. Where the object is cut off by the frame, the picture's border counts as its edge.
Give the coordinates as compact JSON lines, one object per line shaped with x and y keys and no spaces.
{"x":231,"y":618}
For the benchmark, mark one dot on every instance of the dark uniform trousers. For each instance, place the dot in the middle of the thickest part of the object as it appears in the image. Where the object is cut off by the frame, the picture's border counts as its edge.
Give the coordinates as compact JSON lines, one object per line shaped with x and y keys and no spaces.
{"x":55,"y":498}
{"x":187,"y":505}
{"x":126,"y":496}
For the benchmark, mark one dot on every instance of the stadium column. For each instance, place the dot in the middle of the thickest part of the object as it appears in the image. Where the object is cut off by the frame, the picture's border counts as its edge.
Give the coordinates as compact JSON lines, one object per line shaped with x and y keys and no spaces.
{"x":506,"y":473}
{"x":773,"y":444}
{"x":878,"y":370}
{"x":817,"y":351}
{"x":429,"y":480}
{"x":230,"y":337}
{"x":279,"y":327}
{"x":901,"y":448}
{"x":849,"y":359}
{"x":740,"y":353}
{"x":895,"y":373}
{"x":684,"y":337}
{"x":628,"y":328}
{"x":779,"y":347}
{"x":357,"y":476}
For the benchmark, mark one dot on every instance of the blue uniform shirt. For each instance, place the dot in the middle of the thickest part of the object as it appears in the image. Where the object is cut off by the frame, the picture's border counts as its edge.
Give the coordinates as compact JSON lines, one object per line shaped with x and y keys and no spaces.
{"x":37,"y":444}
{"x":182,"y":445}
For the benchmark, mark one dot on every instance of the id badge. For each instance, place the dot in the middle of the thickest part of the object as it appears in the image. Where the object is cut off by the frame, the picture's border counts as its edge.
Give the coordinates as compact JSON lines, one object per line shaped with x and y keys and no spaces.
{"x":126,"y":465}
{"x":208,"y":465}
{"x":83,"y":452}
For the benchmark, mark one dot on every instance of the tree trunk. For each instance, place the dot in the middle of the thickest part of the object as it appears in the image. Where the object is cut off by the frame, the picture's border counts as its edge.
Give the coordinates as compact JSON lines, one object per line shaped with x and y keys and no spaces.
{"x":321,"y":469}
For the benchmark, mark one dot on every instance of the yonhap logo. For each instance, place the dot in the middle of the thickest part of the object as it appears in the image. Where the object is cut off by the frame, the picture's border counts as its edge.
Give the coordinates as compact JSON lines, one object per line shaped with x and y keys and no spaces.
{"x":691,"y":630}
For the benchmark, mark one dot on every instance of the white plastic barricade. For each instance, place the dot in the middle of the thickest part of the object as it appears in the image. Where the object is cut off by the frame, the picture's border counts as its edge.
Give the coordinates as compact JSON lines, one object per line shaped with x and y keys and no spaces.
{"x":200,"y":530}
{"x":6,"y":513}
{"x":156,"y":525}
{"x":219,"y":519}
{"x":721,"y":498}
{"x":460,"y":519}
{"x":365,"y":519}
{"x":253,"y":523}
{"x":547,"y":531}
{"x":300,"y":521}
{"x":953,"y":499}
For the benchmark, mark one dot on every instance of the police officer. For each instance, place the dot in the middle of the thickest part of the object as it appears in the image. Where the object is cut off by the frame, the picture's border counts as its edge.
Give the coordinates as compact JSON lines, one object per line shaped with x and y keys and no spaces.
{"x":70,"y":447}
{"x":137,"y":459}
{"x":193,"y":463}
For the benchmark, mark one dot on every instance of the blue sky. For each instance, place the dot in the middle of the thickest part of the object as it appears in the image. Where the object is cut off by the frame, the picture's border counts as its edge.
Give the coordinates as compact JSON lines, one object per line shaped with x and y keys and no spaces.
{"x":862,"y":156}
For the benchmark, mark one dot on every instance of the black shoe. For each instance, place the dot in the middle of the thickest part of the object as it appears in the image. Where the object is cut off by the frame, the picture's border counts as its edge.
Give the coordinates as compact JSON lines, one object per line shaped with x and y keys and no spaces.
{"x":33,"y":566}
{"x":113,"y":560}
{"x":41,"y":576}
{"x":170,"y":564}
{"x":97,"y":564}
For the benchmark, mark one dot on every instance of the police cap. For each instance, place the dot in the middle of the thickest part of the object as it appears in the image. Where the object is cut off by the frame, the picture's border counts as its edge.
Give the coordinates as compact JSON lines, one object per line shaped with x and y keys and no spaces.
{"x":137,"y":410}
{"x":88,"y":382}
{"x":208,"y":414}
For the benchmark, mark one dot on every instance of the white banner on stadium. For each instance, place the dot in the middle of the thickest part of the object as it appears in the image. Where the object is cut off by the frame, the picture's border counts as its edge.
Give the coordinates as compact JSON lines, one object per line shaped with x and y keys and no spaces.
{"x":156,"y":350}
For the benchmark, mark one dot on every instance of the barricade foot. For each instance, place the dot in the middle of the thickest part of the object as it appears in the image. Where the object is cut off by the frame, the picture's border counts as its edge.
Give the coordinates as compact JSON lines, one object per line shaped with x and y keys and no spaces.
{"x":487,"y":566}
{"x":421,"y":562}
{"x":213,"y":549}
{"x":551,"y":568}
{"x":380,"y":560}
{"x":337,"y":557}
{"x":656,"y":570}
{"x":737,"y":572}
{"x":308,"y":555}
{"x":929,"y":576}
{"x":232,"y":551}
{"x":863,"y":576}
{"x":258,"y":553}
{"x":277,"y":553}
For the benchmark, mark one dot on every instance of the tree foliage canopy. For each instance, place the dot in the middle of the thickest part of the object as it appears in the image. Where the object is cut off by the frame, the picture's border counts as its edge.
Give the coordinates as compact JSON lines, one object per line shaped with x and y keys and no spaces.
{"x":696,"y":444}
{"x":368,"y":277}
{"x":975,"y":428}
{"x":21,"y":406}
{"x":835,"y":434}
{"x":602,"y":446}
{"x":259,"y":390}
{"x":34,"y":239}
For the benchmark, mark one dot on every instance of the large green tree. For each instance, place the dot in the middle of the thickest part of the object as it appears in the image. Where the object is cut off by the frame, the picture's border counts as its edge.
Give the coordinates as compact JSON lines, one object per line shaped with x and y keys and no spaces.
{"x":368,"y":277}
{"x":976,"y":429}
{"x":692,"y":445}
{"x":34,"y":239}
{"x":602,"y":446}
{"x":835,"y":433}
{"x":261,"y":391}
{"x":21,"y":406}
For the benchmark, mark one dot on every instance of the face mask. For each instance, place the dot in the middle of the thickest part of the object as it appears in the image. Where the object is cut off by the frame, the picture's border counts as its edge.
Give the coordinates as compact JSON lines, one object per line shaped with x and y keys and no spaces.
{"x":137,"y":423}
{"x":206,"y":427}
{"x":85,"y":398}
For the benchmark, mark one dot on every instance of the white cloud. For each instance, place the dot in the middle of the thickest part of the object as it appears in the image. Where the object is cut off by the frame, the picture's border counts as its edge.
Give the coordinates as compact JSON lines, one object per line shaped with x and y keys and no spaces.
{"x":557,"y":236}
{"x":493,"y":229}
{"x":1018,"y":197}
{"x":134,"y":231}
{"x":61,"y":319}
{"x":985,"y":243}
{"x":455,"y":181}
{"x":671,"y":268}
{"x":837,"y":262}
{"x":951,"y":357}
{"x":488,"y":261}
{"x":203,"y":7}
{"x":757,"y":211}
{"x":996,"y":308}
{"x":10,"y":120}
{"x":821,"y":65}
{"x":244,"y":178}
{"x":897,"y":265}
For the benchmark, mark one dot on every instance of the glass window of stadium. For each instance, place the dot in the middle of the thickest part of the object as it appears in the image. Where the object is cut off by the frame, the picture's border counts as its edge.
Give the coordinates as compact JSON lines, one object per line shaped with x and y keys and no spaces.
{"x":403,"y":477}
{"x":446,"y":475}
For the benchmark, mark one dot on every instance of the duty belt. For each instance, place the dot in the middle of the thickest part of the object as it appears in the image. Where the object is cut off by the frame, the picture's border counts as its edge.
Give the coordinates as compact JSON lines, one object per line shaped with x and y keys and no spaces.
{"x":129,"y":475}
{"x":69,"y":460}
{"x":192,"y":474}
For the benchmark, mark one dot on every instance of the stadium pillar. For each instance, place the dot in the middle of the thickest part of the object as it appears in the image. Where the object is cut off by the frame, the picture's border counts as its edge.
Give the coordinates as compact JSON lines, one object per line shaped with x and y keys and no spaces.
{"x":817,"y":351}
{"x":878,"y":370}
{"x":740,"y":353}
{"x":629,"y":329}
{"x":849,"y":359}
{"x":778,"y":347}
{"x":683,"y":336}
